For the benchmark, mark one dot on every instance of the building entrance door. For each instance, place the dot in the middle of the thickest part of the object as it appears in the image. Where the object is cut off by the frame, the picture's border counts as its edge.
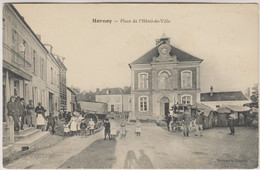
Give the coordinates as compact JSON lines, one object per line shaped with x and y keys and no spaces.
{"x":51,"y":104}
{"x":164,"y":106}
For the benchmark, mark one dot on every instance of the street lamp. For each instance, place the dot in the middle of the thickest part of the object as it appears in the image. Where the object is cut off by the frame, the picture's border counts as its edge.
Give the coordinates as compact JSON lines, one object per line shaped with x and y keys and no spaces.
{"x":22,"y":49}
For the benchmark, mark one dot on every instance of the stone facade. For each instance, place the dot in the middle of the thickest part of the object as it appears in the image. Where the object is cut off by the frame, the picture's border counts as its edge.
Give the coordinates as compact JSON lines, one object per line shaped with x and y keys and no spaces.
{"x":162,"y":77}
{"x":27,"y":63}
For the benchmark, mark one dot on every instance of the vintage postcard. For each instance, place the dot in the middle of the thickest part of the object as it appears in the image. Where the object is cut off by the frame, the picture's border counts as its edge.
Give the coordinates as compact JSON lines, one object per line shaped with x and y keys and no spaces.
{"x":130,"y":85}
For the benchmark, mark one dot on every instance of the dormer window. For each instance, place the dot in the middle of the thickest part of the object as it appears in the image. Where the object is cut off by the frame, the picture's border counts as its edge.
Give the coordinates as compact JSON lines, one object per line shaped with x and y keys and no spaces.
{"x":108,"y":92}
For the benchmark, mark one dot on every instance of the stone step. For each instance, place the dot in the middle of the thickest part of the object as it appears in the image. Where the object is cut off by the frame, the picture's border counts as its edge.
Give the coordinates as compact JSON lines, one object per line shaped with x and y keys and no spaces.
{"x":23,"y":134}
{"x":27,"y":143}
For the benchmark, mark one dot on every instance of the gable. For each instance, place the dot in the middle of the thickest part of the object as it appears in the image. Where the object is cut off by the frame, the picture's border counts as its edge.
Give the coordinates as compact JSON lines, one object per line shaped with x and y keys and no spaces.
{"x":182,"y":56}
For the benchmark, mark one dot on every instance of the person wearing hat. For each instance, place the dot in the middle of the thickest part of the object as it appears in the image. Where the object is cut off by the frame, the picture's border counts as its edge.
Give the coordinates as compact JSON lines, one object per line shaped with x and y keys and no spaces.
{"x":73,"y":124}
{"x":186,"y":123}
{"x":13,"y":112}
{"x":199,"y":123}
{"x":231,"y":122}
{"x":21,"y":109}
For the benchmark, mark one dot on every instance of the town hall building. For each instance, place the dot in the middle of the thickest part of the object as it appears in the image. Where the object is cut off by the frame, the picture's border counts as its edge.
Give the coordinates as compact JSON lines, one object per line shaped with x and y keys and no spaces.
{"x":162,"y":77}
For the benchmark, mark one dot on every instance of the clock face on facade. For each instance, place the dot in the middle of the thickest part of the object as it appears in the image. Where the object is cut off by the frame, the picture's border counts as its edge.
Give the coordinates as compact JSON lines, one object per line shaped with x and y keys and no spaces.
{"x":164,"y":50}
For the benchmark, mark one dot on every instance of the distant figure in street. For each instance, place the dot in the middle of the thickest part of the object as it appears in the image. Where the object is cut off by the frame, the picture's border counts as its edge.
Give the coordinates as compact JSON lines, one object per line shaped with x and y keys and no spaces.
{"x":83,"y":127}
{"x":107,"y":129}
{"x":31,"y":117}
{"x":231,"y":122}
{"x":91,"y":124}
{"x":68,"y":117}
{"x":199,"y":123}
{"x":40,"y":115}
{"x":73,"y":124}
{"x":113,"y":129}
{"x":79,"y":120}
{"x":66,"y":129}
{"x":138,"y":128}
{"x":123,"y":130}
{"x":51,"y":122}
{"x":13,"y":112}
{"x":186,"y":123}
{"x":168,"y":120}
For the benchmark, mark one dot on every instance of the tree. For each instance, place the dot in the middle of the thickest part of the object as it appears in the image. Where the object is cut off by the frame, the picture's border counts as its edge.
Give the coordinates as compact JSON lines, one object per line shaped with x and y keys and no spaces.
{"x":254,"y":96}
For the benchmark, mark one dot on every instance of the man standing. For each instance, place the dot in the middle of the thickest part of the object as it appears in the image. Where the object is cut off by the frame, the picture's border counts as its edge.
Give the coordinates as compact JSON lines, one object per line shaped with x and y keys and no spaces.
{"x":186,"y":123}
{"x":168,"y":120}
{"x":21,"y":108}
{"x":13,"y":112}
{"x":231,"y":121}
{"x":199,"y":123}
{"x":107,"y":129}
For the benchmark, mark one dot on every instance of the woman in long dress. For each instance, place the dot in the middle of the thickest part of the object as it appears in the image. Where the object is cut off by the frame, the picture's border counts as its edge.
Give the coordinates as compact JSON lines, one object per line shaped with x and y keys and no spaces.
{"x":73,"y":124}
{"x":113,"y":129}
{"x":40,"y":116}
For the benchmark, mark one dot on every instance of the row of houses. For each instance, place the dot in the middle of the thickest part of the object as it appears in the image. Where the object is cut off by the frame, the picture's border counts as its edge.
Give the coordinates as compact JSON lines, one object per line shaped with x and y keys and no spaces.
{"x":30,"y":69}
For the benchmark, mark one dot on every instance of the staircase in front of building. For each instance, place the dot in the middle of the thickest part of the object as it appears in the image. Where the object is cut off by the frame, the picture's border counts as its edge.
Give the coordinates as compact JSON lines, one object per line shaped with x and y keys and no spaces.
{"x":23,"y":140}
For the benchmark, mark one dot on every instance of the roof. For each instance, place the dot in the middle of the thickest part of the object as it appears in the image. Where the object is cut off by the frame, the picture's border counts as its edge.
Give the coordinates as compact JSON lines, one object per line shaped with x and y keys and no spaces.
{"x":204,"y":108}
{"x":127,"y":90}
{"x":111,"y":91}
{"x":223,"y":96}
{"x":71,"y":90}
{"x":182,"y":56}
{"x":235,"y":108}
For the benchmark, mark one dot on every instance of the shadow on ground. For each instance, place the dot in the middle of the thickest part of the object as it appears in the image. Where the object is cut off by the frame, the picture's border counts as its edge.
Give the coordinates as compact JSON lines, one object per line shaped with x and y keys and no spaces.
{"x":143,"y":162}
{"x":93,"y":156}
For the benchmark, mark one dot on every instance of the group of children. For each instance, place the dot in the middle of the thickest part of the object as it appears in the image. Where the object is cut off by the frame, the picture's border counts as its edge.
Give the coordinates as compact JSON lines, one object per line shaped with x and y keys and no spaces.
{"x":78,"y":125}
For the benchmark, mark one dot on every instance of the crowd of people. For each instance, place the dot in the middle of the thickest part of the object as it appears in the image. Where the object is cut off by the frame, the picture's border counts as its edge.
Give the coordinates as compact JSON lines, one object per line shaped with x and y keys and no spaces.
{"x":184,"y":122}
{"x":77,"y":124}
{"x":28,"y":114}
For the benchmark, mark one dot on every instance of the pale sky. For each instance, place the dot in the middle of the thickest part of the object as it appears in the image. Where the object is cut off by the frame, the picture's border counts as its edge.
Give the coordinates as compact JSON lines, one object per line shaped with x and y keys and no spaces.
{"x":225,"y":36}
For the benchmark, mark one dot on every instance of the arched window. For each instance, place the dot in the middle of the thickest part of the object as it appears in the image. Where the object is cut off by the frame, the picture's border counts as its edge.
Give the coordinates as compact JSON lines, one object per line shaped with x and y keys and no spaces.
{"x":186,"y":99}
{"x":163,"y":78}
{"x":186,"y":79}
{"x":143,"y":103}
{"x":143,"y":81}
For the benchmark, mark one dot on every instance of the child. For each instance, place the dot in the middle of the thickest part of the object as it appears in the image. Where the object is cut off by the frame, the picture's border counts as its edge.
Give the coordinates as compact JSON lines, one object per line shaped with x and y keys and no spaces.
{"x":66,"y":129}
{"x":123,"y":130}
{"x":83,"y":126}
{"x":138,"y":128}
{"x":91,"y":126}
{"x":51,"y":122}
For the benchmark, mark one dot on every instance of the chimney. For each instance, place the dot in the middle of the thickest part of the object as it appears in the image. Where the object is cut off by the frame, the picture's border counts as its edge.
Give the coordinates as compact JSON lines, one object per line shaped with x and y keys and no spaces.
{"x":211,"y":91}
{"x":38,"y":36}
{"x":48,"y":47}
{"x":97,"y":90}
{"x":63,"y":58}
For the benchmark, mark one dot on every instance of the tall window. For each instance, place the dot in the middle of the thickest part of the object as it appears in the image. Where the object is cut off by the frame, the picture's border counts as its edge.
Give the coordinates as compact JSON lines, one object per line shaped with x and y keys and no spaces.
{"x":186,"y":79}
{"x":143,"y":104}
{"x":186,"y":99}
{"x":42,"y":68}
{"x":34,"y":62}
{"x":163,"y":80}
{"x":52,"y":75}
{"x":143,"y":81}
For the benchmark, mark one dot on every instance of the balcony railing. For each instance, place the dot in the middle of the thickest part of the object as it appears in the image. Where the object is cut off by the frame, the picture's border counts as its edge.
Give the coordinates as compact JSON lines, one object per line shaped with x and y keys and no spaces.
{"x":16,"y":58}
